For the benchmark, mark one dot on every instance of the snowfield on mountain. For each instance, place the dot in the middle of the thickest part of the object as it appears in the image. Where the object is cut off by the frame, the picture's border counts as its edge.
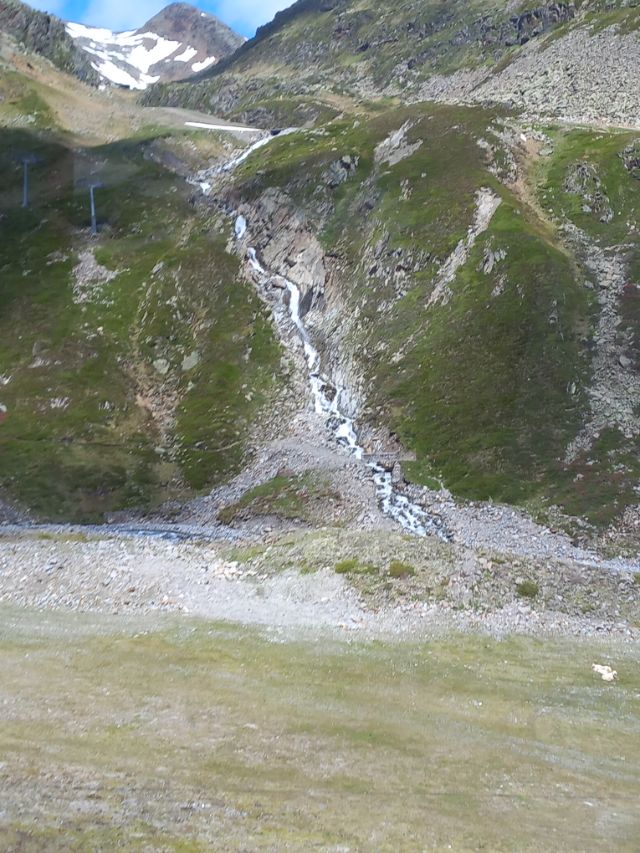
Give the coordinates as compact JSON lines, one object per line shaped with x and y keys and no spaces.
{"x":137,"y":51}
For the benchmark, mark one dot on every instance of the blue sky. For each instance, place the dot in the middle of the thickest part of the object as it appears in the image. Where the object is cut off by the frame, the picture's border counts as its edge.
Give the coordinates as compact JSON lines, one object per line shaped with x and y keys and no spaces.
{"x":243,"y":15}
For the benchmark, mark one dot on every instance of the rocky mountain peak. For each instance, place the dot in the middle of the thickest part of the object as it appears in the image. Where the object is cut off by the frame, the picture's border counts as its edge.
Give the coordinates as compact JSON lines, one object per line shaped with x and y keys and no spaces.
{"x":175,"y":44}
{"x":186,"y":22}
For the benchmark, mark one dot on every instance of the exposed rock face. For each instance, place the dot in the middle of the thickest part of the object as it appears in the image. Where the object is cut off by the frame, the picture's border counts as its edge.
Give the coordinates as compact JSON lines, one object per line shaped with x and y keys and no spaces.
{"x":631,"y":158}
{"x":489,"y":32}
{"x":537,"y":21}
{"x":395,"y":148}
{"x":583,"y":181}
{"x":287,"y":244}
{"x":204,"y":32}
{"x":45,"y":34}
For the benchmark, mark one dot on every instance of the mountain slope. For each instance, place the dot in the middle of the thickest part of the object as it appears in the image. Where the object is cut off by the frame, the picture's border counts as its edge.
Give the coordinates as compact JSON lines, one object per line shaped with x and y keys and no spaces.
{"x":135,"y":366}
{"x":45,"y":35}
{"x":473,"y":286}
{"x":562,"y":59}
{"x":175,"y":44}
{"x":468,"y":273}
{"x":480,"y":261}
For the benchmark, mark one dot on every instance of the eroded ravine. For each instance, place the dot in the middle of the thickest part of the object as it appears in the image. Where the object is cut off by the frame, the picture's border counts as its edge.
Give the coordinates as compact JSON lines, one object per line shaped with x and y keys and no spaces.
{"x":328,"y":395}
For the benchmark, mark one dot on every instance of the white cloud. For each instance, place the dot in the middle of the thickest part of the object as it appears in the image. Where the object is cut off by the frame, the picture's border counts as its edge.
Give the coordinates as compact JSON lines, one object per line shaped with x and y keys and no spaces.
{"x":248,"y":15}
{"x":120,"y":15}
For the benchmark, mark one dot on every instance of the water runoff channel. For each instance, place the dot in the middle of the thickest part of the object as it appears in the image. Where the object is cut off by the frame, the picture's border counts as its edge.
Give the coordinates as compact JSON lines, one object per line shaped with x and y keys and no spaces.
{"x":326,"y":394}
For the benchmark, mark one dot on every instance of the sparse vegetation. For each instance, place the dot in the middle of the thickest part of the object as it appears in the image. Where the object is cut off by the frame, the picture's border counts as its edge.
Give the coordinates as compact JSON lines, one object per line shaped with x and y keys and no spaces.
{"x":353,"y":566}
{"x":299,"y":497}
{"x":528,"y":589}
{"x":398,"y":569}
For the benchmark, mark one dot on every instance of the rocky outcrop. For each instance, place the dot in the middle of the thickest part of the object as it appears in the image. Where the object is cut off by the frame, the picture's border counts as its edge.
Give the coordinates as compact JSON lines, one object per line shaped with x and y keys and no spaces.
{"x":534,"y":22}
{"x":396,"y":147}
{"x":631,"y":158}
{"x":583,"y":181}
{"x":614,"y":392}
{"x":45,"y":35}
{"x":287,"y":244}
{"x":489,"y":33}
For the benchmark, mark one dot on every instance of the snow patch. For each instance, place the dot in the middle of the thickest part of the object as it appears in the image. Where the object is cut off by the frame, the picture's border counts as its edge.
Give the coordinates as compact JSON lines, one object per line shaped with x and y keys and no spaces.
{"x":231,"y":127}
{"x":126,"y":58}
{"x":187,"y":55}
{"x":200,"y":66}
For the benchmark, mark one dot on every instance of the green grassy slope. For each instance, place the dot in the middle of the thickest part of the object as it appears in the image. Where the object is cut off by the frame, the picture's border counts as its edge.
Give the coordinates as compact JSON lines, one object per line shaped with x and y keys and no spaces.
{"x":604,"y":479}
{"x":487,"y":388}
{"x":139,"y":383}
{"x":194,"y":737}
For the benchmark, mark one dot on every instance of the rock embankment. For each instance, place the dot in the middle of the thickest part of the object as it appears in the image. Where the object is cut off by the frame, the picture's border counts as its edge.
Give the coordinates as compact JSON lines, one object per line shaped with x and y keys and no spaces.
{"x":614,"y":393}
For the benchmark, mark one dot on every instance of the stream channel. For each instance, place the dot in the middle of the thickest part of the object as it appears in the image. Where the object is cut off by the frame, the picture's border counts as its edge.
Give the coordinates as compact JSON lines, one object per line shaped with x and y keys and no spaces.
{"x":326,"y":394}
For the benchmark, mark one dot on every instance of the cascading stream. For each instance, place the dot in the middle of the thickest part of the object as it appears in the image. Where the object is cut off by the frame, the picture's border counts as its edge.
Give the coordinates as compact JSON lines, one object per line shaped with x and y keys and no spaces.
{"x":326,"y":394}
{"x":203,"y":179}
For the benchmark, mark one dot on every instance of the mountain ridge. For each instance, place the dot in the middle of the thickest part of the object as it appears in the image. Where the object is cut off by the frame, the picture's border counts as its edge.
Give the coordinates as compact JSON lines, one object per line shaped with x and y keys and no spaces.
{"x":175,"y":44}
{"x":480,"y":52}
{"x":45,"y":35}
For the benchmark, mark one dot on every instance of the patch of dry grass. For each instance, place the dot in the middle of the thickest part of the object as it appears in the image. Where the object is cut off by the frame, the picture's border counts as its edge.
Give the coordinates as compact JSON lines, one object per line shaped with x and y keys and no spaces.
{"x":181,"y":735}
